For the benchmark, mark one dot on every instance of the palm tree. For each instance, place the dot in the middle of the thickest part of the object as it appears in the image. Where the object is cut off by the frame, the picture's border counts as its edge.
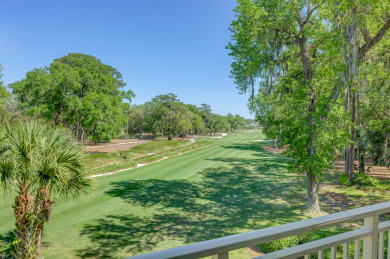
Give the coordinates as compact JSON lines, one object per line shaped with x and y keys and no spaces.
{"x":38,"y":159}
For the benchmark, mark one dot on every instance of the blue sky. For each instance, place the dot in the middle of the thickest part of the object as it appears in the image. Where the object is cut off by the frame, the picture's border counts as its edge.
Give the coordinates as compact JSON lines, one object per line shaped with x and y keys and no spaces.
{"x":159,"y":46}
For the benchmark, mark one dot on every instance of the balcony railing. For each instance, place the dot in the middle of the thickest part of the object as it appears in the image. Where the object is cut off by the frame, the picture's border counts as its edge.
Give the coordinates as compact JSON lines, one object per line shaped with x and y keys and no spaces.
{"x":372,"y":233}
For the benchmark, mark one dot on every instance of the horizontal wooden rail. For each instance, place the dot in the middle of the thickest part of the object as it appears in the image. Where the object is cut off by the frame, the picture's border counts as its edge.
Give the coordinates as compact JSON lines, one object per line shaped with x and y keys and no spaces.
{"x":318,"y":245}
{"x":221,"y":246}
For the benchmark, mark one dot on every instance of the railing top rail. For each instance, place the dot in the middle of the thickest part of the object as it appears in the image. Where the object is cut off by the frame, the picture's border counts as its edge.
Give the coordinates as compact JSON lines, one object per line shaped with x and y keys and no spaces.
{"x":228,"y":243}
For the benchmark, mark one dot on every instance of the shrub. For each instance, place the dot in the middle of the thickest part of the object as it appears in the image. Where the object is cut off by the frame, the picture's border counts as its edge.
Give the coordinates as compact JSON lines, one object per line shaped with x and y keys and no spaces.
{"x":366,"y":182}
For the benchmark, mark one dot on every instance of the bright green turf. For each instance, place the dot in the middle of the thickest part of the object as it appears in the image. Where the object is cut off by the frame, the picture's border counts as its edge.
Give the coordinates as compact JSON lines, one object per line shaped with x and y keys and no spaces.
{"x":113,"y":161}
{"x":229,"y":187}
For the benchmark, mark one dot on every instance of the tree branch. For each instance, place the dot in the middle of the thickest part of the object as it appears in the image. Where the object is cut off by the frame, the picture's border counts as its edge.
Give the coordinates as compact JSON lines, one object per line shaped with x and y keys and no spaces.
{"x":309,"y":13}
{"x":368,"y":45}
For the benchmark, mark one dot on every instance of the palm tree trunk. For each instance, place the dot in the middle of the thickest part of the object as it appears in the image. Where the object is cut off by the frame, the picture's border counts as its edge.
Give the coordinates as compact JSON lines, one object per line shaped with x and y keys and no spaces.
{"x":42,"y":211}
{"x":24,"y":235}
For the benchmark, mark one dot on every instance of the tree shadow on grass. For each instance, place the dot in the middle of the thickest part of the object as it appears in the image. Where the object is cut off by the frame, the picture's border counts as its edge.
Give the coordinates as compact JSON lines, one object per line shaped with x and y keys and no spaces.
{"x":227,"y":200}
{"x":6,"y":246}
{"x":256,"y":146}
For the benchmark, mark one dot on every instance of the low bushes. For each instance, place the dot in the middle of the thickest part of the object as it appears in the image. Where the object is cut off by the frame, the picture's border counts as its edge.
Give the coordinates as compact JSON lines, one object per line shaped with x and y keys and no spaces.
{"x":366,"y":182}
{"x":306,"y":238}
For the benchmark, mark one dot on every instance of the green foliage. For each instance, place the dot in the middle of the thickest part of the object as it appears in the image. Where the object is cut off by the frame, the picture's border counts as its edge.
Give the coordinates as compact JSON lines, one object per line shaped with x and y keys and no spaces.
{"x":366,"y":182}
{"x":284,"y":243}
{"x":37,"y":160}
{"x":292,"y":50}
{"x":76,"y":90}
{"x":5,"y":96}
{"x":168,"y":115}
{"x":377,"y":150}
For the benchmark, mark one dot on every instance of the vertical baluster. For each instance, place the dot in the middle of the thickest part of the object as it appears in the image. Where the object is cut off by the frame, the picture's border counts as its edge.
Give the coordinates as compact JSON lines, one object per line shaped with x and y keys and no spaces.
{"x":357,"y":249}
{"x":321,"y":254}
{"x":345,"y":250}
{"x":333,"y":251}
{"x":306,"y":256}
{"x":381,"y":252}
{"x":370,"y":243}
{"x":388,"y":244}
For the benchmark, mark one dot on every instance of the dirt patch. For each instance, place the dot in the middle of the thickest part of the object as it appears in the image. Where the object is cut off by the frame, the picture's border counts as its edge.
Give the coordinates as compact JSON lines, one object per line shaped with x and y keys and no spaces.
{"x":254,"y":251}
{"x":272,"y":149}
{"x":114,"y":145}
{"x":332,"y":194}
{"x":380,"y":172}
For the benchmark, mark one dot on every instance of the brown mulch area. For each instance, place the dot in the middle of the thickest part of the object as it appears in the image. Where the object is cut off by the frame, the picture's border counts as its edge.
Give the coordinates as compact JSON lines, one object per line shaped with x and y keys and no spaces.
{"x":272,"y":149}
{"x":340,"y":202}
{"x":114,"y":145}
{"x":254,"y":251}
{"x":380,"y":172}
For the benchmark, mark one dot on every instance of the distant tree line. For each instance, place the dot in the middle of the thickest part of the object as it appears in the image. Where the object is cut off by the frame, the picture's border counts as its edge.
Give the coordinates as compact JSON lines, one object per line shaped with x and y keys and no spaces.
{"x":166,"y":115}
{"x":86,"y":96}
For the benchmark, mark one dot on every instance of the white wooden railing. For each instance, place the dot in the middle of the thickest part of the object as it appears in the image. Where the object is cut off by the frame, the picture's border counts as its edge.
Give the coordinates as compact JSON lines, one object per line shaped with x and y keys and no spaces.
{"x":372,"y":233}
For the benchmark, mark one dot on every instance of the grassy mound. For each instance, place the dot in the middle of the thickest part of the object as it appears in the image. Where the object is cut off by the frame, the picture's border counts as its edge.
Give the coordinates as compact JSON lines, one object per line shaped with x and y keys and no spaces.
{"x":151,"y":151}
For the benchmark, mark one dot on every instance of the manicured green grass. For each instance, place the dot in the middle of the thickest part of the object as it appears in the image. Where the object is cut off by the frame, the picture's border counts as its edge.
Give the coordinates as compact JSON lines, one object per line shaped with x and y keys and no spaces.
{"x":151,"y":151}
{"x":230,"y":187}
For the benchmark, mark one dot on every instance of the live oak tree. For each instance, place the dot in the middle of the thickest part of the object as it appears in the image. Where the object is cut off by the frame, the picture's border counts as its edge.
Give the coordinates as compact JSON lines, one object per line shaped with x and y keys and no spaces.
{"x":235,"y":121}
{"x":78,"y":91}
{"x":138,"y":118}
{"x":293,"y":49}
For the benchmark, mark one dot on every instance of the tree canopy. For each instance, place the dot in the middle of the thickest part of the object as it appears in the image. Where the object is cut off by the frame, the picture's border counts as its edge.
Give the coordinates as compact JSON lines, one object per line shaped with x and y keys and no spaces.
{"x":305,"y":56}
{"x":76,"y":90}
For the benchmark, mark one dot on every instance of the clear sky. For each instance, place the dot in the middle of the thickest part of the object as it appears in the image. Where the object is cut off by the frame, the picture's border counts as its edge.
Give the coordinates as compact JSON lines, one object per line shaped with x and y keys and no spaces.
{"x":159,"y":46}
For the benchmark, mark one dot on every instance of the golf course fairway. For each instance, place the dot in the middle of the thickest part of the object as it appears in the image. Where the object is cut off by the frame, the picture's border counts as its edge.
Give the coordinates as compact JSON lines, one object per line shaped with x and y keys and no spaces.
{"x":229,"y":187}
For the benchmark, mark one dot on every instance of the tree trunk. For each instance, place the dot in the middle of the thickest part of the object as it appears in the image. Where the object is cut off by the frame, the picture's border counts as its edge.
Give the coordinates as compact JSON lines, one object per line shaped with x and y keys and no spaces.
{"x":362,"y":166}
{"x":82,"y":134}
{"x":24,"y":234}
{"x":127,"y":128}
{"x":77,"y":130}
{"x":351,"y":58}
{"x":42,"y":212}
{"x":353,"y":138}
{"x":312,"y":183}
{"x":358,"y":105}
{"x":347,"y":148}
{"x":385,"y":148}
{"x":312,"y":186}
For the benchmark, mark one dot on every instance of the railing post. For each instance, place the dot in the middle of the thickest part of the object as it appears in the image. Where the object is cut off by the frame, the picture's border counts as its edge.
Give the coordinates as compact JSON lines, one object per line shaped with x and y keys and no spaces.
{"x":370,"y":243}
{"x":221,"y":256}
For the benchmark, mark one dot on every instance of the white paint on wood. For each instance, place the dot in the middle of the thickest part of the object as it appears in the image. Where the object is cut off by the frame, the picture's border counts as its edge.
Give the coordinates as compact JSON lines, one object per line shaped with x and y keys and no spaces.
{"x":370,"y":243}
{"x":222,"y":245}
{"x":381,"y":248}
{"x":357,"y":249}
{"x":333,"y":251}
{"x":345,"y":250}
{"x":388,"y":244}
